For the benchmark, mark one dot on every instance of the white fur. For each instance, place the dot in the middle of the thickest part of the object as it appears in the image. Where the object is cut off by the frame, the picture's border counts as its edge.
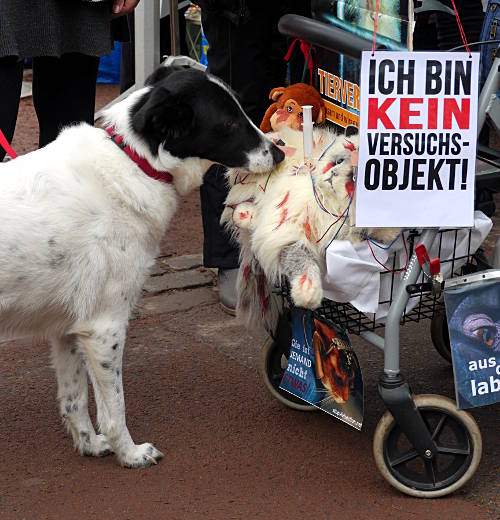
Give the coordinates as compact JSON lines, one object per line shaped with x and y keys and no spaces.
{"x":80,"y":225}
{"x":284,"y":231}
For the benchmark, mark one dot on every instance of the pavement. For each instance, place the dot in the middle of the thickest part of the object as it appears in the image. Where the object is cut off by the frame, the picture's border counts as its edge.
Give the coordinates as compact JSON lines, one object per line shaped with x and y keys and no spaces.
{"x":192,"y":388}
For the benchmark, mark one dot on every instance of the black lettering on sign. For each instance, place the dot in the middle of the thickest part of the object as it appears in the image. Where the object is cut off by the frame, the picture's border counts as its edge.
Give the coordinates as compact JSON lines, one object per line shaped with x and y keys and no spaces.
{"x":406,"y":176}
{"x":407,"y":138}
{"x":452,"y":163}
{"x":384,"y":143}
{"x":433,"y":82}
{"x":373,"y":71}
{"x":372,"y":143}
{"x":389,"y":174}
{"x":465,"y":163}
{"x":406,"y":77}
{"x":463,"y":77}
{"x":447,"y":78}
{"x":417,"y":174}
{"x":433,"y":178}
{"x":383,"y":87}
{"x":457,"y":148}
{"x":372,"y":174}
{"x":396,"y":144}
{"x":431,"y":144}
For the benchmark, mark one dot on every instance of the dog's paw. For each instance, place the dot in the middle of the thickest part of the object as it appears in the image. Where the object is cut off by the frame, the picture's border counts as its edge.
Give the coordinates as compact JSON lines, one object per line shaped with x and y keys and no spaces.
{"x":141,"y":456}
{"x":92,"y":445}
{"x":306,"y":291}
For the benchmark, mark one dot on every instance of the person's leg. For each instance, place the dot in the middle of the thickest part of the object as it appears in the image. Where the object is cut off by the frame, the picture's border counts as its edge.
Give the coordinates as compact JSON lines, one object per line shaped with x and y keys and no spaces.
{"x":63,"y":92}
{"x":218,"y":249}
{"x":11,"y":80}
{"x":243,"y":56}
{"x":127,"y":64}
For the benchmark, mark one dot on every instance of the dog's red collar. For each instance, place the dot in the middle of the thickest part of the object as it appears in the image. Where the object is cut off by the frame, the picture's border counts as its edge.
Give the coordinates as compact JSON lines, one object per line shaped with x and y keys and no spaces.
{"x":142,"y":162}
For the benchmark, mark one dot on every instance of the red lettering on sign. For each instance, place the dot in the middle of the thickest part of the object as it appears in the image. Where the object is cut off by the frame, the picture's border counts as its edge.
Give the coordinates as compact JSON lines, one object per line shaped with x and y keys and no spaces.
{"x":376,"y":112}
{"x":405,"y":112}
{"x":432,"y":114}
{"x":461,"y":115}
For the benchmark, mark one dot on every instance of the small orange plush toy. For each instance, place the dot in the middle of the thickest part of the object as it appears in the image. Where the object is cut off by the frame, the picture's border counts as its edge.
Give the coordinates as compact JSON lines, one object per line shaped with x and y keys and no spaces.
{"x":287,"y":107}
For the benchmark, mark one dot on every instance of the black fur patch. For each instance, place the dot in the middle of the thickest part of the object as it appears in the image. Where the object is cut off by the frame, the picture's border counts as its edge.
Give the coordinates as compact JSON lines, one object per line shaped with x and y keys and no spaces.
{"x":191,"y":115}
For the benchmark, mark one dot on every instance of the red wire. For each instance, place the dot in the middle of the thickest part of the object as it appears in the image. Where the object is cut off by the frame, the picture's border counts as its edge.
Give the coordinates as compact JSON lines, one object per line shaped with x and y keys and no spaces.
{"x":375,"y":25}
{"x":385,"y":267}
{"x":460,"y":27}
{"x":330,"y":226}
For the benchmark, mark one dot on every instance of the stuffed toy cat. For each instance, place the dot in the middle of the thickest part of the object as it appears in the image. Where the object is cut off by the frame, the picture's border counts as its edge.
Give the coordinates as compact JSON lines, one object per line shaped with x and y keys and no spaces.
{"x":284,"y":221}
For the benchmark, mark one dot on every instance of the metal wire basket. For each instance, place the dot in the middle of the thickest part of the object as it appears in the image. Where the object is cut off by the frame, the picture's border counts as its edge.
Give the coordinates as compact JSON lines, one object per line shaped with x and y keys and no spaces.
{"x":423,"y":304}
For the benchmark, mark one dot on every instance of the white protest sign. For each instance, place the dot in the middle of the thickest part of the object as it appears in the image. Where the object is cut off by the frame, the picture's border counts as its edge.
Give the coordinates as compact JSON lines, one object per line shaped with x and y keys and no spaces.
{"x":418,"y":131}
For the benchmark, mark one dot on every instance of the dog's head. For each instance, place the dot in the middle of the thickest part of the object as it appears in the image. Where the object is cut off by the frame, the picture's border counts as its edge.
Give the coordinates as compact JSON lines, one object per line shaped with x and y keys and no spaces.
{"x":185,"y":113}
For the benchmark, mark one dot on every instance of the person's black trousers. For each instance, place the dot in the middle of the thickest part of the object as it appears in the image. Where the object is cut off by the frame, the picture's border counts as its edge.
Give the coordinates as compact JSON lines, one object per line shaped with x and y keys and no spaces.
{"x":249,"y":57}
{"x":63,"y":93}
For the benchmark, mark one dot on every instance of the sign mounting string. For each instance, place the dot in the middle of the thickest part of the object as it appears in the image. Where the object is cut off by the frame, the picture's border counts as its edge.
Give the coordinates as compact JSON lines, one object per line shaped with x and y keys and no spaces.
{"x":461,"y":29}
{"x":375,"y":25}
{"x":459,"y":23}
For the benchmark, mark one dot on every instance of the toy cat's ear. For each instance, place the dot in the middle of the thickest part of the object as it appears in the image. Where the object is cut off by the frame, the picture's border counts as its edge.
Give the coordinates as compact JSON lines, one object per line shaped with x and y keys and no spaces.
{"x":321,"y":116}
{"x":351,"y":130}
{"x":276,"y":93}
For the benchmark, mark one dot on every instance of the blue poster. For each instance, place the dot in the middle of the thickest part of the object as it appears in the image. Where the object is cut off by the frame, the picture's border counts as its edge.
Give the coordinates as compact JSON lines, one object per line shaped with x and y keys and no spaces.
{"x":323,"y":369}
{"x":473,"y":312}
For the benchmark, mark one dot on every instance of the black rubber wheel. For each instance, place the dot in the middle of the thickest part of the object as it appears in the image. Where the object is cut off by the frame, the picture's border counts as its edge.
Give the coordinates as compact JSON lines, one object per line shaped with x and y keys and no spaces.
{"x":440,"y":335}
{"x":273,"y":360}
{"x":459,"y":450}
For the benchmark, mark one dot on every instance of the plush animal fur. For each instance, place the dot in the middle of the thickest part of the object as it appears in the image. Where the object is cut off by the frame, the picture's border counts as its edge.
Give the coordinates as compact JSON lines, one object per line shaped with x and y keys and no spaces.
{"x":281,"y":228}
{"x":80,"y":226}
{"x":287,"y":107}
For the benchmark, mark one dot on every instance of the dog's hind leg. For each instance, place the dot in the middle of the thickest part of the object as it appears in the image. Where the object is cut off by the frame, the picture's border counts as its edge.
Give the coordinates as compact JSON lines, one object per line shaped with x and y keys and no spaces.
{"x":103,"y":351}
{"x":72,"y":393}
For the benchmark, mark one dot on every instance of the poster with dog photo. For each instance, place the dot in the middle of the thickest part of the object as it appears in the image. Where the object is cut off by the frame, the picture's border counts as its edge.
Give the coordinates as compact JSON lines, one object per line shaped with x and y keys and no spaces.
{"x":473,"y":312}
{"x":337,"y":77}
{"x":323,"y":369}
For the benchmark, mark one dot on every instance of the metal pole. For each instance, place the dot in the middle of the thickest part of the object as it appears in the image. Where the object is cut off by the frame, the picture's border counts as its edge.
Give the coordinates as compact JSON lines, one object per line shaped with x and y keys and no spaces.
{"x":392,"y":322}
{"x":175,"y":40}
{"x":147,"y":40}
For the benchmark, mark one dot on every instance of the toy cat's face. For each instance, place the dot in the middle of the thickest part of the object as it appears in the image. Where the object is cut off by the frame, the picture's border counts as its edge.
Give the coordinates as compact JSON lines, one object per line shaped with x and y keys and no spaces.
{"x":338,"y":166}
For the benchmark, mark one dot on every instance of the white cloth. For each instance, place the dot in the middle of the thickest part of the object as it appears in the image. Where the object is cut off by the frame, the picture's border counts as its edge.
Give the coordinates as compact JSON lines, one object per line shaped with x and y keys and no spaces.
{"x":353,"y":274}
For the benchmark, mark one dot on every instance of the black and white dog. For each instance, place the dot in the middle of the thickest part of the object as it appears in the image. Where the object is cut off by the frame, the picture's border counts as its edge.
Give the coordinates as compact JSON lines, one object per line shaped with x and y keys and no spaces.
{"x":80,"y":226}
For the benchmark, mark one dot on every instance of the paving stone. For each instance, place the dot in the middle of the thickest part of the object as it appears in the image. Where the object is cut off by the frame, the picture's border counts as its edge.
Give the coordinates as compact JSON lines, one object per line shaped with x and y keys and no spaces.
{"x":184,"y":262}
{"x":160,"y":267}
{"x":176,"y":301}
{"x":177,"y":280}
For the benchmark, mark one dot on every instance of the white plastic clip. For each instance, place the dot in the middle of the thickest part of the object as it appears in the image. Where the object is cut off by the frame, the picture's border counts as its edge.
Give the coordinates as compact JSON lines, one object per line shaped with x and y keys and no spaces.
{"x":307,"y":128}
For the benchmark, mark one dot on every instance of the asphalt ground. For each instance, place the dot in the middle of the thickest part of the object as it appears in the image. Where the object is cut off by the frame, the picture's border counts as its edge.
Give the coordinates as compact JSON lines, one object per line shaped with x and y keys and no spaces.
{"x":192,"y":387}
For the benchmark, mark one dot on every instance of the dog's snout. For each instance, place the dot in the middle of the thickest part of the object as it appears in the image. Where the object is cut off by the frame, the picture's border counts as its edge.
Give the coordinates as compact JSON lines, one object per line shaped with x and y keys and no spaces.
{"x":278,"y":155}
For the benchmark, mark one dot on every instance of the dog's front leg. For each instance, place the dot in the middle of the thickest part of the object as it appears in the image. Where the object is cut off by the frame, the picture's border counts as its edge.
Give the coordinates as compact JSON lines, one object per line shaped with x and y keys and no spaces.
{"x":72,"y":393}
{"x":103,"y":350}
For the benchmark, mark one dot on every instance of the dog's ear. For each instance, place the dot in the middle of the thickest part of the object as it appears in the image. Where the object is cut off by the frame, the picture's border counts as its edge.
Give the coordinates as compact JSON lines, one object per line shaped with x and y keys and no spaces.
{"x":162,"y":72}
{"x":162,"y":116}
{"x":351,"y":130}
